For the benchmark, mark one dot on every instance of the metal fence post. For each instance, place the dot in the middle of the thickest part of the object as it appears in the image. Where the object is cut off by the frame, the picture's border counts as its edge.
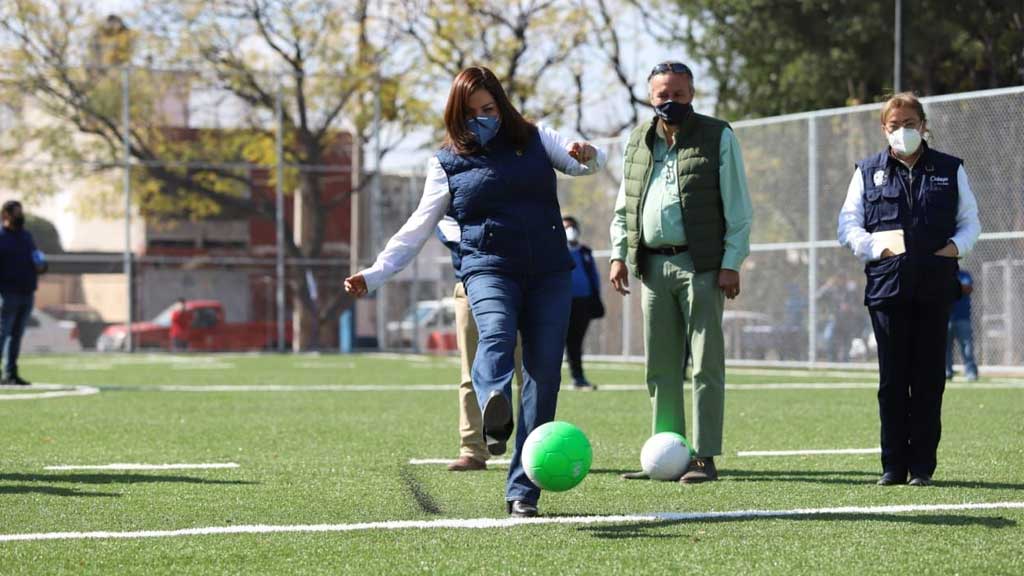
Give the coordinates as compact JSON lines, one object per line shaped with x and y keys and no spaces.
{"x":126,"y":144}
{"x":414,"y":296}
{"x":279,"y":214}
{"x":812,"y":239}
{"x":375,"y":216}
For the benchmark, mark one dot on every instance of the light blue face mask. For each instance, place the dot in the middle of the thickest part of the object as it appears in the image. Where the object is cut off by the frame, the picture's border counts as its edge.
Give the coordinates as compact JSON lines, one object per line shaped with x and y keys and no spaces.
{"x":484,"y":128}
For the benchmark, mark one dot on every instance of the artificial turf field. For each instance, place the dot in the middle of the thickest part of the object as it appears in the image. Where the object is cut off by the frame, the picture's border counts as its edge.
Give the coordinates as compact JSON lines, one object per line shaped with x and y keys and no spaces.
{"x":323,"y":445}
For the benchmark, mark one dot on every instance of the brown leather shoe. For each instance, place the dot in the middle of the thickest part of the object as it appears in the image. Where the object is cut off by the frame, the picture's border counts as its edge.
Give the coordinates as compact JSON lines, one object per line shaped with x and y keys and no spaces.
{"x":700,"y":470}
{"x":467,"y":464}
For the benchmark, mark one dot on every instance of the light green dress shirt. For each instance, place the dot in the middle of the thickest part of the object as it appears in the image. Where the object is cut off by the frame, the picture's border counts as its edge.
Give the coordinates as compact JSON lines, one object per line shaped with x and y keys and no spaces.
{"x":663,"y":217}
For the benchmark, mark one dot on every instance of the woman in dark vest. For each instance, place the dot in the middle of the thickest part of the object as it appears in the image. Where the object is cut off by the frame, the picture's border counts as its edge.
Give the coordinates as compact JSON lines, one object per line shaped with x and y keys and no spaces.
{"x":909,"y":214}
{"x":495,"y":175}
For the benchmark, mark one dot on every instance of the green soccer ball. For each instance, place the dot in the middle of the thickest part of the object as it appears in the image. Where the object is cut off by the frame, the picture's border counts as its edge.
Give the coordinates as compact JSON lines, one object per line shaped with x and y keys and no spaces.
{"x":557,"y":456}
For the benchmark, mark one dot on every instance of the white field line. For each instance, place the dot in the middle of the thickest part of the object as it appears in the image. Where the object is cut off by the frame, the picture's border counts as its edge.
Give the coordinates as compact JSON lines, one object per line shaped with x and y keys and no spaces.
{"x":477,"y":523}
{"x":134,"y":359}
{"x":303,"y":388}
{"x":446,"y":461}
{"x":204,"y":366}
{"x":211,"y":466}
{"x":55,"y":391}
{"x":766,"y":387}
{"x":308,"y":365}
{"x":809,"y":452}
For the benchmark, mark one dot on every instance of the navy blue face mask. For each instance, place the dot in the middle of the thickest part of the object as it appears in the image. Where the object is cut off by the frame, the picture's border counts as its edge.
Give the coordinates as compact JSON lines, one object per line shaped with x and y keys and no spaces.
{"x":673,"y":113}
{"x":484,"y":128}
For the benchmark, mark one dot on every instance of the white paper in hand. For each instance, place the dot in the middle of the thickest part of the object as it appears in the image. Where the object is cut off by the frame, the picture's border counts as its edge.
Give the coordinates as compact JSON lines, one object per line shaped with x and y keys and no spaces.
{"x":891,"y":239}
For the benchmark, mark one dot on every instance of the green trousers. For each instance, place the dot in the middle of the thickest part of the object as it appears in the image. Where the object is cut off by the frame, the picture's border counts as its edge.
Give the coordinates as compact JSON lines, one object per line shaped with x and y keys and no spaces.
{"x":683,"y":317}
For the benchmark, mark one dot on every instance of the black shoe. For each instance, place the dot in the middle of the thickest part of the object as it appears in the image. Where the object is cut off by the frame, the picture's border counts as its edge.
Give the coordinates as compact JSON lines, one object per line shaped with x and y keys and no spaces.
{"x":921,"y":481}
{"x":583,"y":385}
{"x":892,"y":479}
{"x":641,"y":475}
{"x":498,"y":425}
{"x":700,"y":470}
{"x":520,"y":509}
{"x":15,"y":381}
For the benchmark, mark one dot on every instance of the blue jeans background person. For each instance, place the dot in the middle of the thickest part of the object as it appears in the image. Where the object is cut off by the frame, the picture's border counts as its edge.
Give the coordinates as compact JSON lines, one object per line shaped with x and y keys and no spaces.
{"x":960,"y":329}
{"x":15,"y":309}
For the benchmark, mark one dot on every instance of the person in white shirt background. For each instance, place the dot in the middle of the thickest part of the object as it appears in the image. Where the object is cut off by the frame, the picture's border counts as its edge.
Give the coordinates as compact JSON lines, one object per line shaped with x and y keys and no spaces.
{"x":495,"y":175}
{"x":909,"y":214}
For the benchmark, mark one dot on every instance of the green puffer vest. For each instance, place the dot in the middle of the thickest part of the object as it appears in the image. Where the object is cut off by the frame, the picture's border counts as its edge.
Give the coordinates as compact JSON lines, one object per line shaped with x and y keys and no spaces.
{"x":698,"y":142}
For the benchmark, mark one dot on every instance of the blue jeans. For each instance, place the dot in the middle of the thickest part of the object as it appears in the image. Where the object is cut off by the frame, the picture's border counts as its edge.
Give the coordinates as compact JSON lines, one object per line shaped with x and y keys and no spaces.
{"x":15,"y":309}
{"x":960,"y":331}
{"x":538,"y":308}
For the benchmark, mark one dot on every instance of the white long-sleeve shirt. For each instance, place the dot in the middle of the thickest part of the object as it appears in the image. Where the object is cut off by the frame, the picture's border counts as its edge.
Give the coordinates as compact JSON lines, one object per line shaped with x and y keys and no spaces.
{"x":408,"y":241}
{"x":852,"y":234}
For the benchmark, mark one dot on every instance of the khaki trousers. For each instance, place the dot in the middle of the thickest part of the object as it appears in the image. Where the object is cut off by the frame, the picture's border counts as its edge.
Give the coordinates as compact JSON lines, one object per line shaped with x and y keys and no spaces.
{"x":471,"y":428}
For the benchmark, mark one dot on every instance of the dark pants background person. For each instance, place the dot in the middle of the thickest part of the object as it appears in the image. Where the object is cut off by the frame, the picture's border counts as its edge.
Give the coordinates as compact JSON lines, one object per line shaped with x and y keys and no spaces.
{"x":15,"y":309}
{"x":579,"y":320}
{"x":586,"y":301}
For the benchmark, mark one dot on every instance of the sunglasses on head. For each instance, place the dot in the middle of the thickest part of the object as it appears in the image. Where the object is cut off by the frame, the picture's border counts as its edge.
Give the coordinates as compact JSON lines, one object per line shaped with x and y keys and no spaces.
{"x":674,"y":67}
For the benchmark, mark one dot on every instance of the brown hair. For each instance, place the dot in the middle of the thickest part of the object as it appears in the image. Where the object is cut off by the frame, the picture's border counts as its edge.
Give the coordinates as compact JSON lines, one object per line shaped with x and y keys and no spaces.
{"x":900,"y":100}
{"x":459,"y":138}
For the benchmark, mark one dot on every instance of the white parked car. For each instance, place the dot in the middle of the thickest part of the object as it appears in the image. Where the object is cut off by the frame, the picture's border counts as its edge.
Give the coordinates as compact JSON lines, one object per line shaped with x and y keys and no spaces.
{"x":44,"y":333}
{"x":429,"y":316}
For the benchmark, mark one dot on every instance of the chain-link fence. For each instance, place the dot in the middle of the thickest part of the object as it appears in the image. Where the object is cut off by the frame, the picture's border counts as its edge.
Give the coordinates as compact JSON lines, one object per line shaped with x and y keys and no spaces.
{"x":148,"y":186}
{"x":231,"y":191}
{"x":802,"y":292}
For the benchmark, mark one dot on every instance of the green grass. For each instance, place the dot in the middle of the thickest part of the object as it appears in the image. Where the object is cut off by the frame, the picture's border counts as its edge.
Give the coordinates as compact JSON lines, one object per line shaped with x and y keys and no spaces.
{"x":336,"y":457}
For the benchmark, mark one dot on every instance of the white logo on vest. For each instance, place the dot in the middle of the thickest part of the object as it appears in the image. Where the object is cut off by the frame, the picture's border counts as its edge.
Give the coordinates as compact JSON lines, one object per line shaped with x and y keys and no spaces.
{"x":879,"y":177}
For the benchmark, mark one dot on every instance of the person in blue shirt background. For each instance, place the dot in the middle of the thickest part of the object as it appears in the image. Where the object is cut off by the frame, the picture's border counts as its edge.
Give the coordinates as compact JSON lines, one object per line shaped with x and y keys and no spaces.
{"x":20,"y":265}
{"x":960,"y":330}
{"x":586,"y":301}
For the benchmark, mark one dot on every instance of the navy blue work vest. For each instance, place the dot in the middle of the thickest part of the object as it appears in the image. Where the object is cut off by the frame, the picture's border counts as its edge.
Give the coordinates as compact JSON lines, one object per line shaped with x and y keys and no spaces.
{"x":17,"y":269}
{"x":506,"y":203}
{"x":923,"y":203}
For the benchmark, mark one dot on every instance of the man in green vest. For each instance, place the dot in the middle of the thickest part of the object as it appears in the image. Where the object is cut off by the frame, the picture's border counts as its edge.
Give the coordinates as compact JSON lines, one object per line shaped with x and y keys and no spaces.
{"x":682,"y":223}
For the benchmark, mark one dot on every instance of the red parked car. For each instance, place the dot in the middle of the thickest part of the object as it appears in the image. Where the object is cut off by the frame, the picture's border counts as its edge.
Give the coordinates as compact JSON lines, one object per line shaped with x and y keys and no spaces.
{"x":207,"y":331}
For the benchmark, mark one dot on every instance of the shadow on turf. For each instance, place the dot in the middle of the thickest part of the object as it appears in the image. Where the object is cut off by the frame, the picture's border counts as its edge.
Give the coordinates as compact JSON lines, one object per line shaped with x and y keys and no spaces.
{"x":811,"y":476}
{"x":418,"y":491}
{"x":78,"y":478}
{"x":53,"y":491}
{"x":648,"y":529}
{"x":836,"y":477}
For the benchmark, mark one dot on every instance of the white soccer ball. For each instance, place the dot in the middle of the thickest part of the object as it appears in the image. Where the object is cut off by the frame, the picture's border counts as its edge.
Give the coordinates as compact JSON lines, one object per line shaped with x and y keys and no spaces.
{"x":665,"y":456}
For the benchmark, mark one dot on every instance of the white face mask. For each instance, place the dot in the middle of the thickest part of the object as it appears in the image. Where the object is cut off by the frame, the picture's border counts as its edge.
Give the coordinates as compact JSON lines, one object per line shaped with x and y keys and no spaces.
{"x":904,"y":141}
{"x":572,"y":234}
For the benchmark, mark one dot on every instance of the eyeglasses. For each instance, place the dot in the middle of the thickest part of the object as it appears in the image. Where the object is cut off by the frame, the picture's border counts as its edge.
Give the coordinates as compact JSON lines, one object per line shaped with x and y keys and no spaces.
{"x":674,"y":67}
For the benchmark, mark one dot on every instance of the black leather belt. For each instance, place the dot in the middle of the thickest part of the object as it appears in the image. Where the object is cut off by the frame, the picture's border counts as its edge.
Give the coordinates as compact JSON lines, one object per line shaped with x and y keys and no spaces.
{"x":667,"y":250}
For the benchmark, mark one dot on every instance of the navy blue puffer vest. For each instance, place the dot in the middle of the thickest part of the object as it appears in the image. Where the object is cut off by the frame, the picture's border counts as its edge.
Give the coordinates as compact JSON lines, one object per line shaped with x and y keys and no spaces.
{"x":506,"y":203}
{"x":923,"y":203}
